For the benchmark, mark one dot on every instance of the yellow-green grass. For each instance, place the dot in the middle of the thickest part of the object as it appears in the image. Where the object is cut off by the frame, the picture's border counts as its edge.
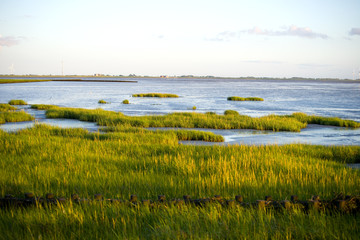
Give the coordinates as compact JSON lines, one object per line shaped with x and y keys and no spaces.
{"x":332,"y":121}
{"x":106,"y":221}
{"x":236,"y":98}
{"x":101,"y":101}
{"x":43,"y":106}
{"x":158,"y":95}
{"x":5,"y":107}
{"x":180,"y":120}
{"x":48,"y":159}
{"x":3,"y":81}
{"x":17,"y":102}
{"x":125,"y":101}
{"x":230,"y":120}
{"x":20,"y":116}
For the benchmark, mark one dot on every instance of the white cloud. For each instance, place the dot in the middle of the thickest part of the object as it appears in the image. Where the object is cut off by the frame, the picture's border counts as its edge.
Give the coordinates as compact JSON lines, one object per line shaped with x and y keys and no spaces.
{"x":9,"y":41}
{"x":354,"y":31}
{"x":292,"y":30}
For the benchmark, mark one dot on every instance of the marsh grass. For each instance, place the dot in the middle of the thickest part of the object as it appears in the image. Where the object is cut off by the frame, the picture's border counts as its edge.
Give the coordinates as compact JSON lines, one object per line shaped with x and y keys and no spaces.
{"x":125,"y":101}
{"x":5,"y":107}
{"x":20,"y":116}
{"x":180,"y":120}
{"x":236,"y":98}
{"x":103,"y":101}
{"x":130,"y":160}
{"x":158,"y":95}
{"x":331,"y":121}
{"x":43,"y":106}
{"x":17,"y":102}
{"x":3,"y":81}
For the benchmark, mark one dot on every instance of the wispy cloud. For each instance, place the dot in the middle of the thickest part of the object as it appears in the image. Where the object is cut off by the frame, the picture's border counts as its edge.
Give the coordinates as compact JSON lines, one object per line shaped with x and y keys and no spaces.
{"x":354,"y":31}
{"x":292,"y":30}
{"x":9,"y":41}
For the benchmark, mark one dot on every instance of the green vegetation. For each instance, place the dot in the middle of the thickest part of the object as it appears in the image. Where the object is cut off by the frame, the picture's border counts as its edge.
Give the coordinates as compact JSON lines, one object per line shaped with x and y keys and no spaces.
{"x":3,"y":81}
{"x":20,"y":116}
{"x":17,"y":102}
{"x":331,"y":121}
{"x":158,"y":95}
{"x":231,"y":112}
{"x":103,"y":101}
{"x":194,"y":108}
{"x":235,"y":98}
{"x":192,"y":120}
{"x":5,"y":107}
{"x":125,"y":101}
{"x":43,"y":106}
{"x":8,"y":114}
{"x":131,"y":160}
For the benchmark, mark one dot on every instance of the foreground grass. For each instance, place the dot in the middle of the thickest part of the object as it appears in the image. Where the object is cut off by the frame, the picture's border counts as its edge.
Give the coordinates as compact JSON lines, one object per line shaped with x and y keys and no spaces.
{"x":230,"y":120}
{"x":122,"y":222}
{"x":158,"y":95}
{"x":131,"y":160}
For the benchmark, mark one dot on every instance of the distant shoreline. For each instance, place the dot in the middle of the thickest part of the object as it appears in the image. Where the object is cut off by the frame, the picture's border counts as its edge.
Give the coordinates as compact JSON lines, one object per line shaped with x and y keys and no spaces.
{"x":24,"y":80}
{"x":99,"y":78}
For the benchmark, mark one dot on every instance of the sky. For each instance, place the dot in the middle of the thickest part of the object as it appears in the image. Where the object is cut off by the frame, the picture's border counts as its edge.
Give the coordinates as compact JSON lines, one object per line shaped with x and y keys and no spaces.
{"x":225,"y":38}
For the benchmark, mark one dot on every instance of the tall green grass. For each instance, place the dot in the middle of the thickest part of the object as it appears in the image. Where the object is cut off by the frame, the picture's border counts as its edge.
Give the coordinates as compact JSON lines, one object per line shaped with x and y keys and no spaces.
{"x":20,"y":116}
{"x":17,"y":102}
{"x":331,"y":121}
{"x":158,"y":95}
{"x":131,"y":160}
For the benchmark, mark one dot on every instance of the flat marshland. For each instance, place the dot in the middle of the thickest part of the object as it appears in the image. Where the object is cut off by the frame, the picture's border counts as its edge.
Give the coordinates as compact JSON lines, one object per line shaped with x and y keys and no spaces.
{"x":128,"y":159}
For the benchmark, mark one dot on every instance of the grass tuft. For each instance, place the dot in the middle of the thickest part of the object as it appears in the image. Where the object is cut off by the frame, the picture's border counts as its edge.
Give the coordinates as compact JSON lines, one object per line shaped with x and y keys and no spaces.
{"x":235,"y":98}
{"x":158,"y":95}
{"x":17,"y":102}
{"x":102,"y":102}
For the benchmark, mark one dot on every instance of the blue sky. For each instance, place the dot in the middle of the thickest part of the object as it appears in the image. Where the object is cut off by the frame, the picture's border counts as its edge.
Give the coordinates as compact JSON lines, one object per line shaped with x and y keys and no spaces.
{"x":228,"y":38}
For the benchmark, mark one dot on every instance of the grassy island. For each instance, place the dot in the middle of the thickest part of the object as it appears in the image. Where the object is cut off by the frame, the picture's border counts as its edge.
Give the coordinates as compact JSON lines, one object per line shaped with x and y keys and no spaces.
{"x":235,"y":98}
{"x":17,"y":102}
{"x":102,"y":102}
{"x":157,"y":95}
{"x":8,"y":113}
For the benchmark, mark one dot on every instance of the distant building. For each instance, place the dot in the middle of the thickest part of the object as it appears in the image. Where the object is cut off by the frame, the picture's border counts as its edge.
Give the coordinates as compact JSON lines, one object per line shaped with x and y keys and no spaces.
{"x":98,"y":75}
{"x":164,"y":76}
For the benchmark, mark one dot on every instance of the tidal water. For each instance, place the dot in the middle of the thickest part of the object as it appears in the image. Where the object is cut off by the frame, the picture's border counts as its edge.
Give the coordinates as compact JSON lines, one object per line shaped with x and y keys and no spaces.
{"x":325,"y":98}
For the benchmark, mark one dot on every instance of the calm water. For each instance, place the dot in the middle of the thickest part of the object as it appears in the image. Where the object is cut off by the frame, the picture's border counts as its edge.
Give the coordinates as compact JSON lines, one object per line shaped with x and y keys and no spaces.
{"x":340,"y":99}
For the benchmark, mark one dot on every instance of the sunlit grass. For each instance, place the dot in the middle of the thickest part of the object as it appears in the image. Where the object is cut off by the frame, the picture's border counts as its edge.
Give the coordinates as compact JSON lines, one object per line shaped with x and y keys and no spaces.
{"x":129,"y":160}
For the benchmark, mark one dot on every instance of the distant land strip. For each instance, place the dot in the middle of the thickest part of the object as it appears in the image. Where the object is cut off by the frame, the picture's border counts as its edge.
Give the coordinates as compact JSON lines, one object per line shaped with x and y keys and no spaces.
{"x":4,"y":81}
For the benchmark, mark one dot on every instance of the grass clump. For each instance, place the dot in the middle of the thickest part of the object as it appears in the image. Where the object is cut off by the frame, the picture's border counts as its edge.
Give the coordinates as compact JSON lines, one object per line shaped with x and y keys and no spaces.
{"x":158,"y":95}
{"x":194,"y":108}
{"x":102,"y":102}
{"x":43,"y":106}
{"x":235,"y":98}
{"x":330,"y":121}
{"x":125,"y":101}
{"x":5,"y":107}
{"x":17,"y":102}
{"x":20,"y":116}
{"x":231,"y":112}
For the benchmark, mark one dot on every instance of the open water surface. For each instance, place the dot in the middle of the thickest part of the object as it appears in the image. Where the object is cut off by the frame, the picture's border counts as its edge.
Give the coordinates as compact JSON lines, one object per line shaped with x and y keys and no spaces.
{"x":324,"y":98}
